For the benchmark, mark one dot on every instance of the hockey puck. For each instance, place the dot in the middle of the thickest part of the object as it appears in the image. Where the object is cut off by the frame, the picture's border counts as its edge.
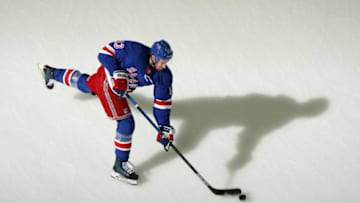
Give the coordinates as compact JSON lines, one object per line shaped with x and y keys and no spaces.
{"x":242,"y":197}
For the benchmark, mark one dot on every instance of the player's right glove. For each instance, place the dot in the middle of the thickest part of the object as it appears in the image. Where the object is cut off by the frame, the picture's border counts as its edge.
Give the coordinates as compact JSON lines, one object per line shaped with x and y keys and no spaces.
{"x":121,"y":82}
{"x":167,"y":137}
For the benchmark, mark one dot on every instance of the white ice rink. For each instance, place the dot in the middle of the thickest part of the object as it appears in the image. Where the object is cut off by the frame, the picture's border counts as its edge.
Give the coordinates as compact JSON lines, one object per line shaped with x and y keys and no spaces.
{"x":266,"y":98}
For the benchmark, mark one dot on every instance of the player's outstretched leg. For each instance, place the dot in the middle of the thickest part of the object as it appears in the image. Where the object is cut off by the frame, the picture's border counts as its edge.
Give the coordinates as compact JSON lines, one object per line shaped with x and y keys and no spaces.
{"x":69,"y":77}
{"x":123,"y":169}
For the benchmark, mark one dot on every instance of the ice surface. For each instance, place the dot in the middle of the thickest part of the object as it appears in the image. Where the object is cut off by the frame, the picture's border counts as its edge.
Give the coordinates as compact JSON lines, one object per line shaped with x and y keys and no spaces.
{"x":266,"y":97}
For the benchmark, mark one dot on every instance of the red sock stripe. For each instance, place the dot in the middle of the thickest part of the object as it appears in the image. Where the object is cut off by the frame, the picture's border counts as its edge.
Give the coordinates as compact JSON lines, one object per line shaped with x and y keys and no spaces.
{"x":67,"y":77}
{"x":109,"y":51}
{"x":123,"y":146}
{"x":166,"y":103}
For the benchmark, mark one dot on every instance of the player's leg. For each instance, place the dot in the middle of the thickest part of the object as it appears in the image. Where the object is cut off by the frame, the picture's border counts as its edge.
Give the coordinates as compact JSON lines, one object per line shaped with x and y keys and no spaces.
{"x":69,"y":77}
{"x":116,"y":109}
{"x":123,"y":138}
{"x":123,"y":168}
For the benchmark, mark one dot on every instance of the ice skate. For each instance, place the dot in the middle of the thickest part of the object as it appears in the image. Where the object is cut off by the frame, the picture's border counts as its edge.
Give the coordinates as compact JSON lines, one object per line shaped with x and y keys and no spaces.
{"x":124,"y":171}
{"x":47,"y":72}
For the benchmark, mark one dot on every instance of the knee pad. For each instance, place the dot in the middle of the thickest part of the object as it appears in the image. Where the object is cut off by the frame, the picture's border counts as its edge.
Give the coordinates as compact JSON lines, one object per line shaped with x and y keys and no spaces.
{"x":126,"y":126}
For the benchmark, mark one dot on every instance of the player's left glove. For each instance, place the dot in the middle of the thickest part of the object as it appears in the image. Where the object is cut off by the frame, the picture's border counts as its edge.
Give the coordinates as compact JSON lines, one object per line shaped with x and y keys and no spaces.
{"x":167,"y":137}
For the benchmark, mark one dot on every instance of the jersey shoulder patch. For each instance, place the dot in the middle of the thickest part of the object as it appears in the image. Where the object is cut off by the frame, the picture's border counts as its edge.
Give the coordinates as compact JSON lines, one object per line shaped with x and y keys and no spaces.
{"x":119,"y":44}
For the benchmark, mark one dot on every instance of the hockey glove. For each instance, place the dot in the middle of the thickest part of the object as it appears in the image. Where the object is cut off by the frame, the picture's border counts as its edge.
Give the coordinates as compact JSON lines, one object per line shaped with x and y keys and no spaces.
{"x":121,"y":80}
{"x":167,"y":137}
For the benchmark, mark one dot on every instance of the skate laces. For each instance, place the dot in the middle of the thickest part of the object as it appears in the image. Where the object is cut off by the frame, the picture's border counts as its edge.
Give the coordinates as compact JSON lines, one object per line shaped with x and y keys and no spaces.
{"x":128,"y":167}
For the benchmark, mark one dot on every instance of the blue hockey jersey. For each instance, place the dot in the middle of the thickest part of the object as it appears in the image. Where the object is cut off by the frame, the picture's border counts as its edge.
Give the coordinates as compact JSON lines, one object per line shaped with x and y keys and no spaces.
{"x":133,"y":57}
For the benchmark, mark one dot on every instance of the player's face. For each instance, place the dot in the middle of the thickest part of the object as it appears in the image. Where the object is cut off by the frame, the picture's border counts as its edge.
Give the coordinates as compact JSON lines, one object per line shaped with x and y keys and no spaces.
{"x":161,"y":64}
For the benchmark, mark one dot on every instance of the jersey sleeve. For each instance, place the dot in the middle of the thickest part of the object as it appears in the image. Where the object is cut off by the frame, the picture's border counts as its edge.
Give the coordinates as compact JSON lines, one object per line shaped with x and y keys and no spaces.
{"x":108,"y":58}
{"x":162,"y":97}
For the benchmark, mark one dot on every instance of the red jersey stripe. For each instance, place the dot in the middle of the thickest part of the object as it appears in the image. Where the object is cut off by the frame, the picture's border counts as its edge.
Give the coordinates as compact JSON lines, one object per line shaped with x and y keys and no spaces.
{"x":109,"y":51}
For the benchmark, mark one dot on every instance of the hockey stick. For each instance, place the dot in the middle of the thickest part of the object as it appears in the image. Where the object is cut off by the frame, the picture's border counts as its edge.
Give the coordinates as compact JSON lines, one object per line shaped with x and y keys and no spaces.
{"x":232,"y":191}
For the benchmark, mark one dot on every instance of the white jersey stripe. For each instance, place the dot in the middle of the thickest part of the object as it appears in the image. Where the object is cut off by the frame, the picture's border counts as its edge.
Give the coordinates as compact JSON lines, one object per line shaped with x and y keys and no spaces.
{"x":105,"y":52}
{"x":110,"y":48}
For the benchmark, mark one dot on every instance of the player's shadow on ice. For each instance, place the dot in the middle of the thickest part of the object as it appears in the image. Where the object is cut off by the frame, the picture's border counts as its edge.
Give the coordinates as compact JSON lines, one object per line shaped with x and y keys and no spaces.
{"x":258,"y":114}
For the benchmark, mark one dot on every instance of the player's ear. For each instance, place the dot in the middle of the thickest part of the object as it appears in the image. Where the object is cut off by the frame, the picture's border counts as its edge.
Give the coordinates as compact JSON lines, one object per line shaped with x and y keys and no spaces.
{"x":153,"y":58}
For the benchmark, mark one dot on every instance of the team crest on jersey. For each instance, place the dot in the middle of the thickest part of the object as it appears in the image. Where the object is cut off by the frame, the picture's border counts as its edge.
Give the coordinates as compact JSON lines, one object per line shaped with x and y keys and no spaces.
{"x":131,"y":70}
{"x":119,"y":44}
{"x":148,"y":71}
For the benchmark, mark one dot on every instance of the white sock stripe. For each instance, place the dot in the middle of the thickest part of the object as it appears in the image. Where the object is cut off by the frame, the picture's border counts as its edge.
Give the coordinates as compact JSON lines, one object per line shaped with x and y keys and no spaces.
{"x":162,"y":106}
{"x":123,"y":149}
{"x":71,"y":74}
{"x":169,"y":100}
{"x":63,"y":79}
{"x":117,"y":141}
{"x":67,"y":80}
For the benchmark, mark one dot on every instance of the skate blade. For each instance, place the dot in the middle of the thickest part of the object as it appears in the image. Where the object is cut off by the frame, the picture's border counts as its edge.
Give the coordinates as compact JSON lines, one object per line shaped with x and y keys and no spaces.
{"x":41,"y":68}
{"x":119,"y":177}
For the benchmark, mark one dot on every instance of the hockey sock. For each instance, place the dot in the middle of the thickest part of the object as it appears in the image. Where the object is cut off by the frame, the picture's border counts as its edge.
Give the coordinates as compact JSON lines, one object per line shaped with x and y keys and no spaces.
{"x":72,"y":78}
{"x":123,"y":138}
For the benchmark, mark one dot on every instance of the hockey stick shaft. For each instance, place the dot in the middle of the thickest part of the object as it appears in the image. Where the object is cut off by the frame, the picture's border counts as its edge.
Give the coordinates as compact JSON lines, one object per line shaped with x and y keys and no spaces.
{"x":144,"y":114}
{"x":191,"y":166}
{"x":233,"y":191}
{"x":172,"y":145}
{"x":216,"y":191}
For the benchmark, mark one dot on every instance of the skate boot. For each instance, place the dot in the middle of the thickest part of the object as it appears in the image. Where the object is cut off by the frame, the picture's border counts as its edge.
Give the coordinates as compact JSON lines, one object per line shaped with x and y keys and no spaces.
{"x":47,"y":72}
{"x":124,"y":171}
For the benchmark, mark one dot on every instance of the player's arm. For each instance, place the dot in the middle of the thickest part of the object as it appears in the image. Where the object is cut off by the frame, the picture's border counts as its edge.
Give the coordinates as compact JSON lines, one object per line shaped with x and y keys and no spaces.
{"x":162,"y":107}
{"x":163,"y":98}
{"x":116,"y":76}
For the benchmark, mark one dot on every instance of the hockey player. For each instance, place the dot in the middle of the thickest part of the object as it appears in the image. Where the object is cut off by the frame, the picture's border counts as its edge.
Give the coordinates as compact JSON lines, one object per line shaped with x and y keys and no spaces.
{"x":125,"y":65}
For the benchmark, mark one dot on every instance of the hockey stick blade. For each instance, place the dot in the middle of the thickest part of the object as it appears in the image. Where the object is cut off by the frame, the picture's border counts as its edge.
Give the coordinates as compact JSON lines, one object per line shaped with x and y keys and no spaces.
{"x":233,"y":191}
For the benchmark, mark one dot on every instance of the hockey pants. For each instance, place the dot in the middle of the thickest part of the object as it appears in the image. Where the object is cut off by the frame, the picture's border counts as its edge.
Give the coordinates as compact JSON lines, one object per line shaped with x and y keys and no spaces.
{"x":116,"y":108}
